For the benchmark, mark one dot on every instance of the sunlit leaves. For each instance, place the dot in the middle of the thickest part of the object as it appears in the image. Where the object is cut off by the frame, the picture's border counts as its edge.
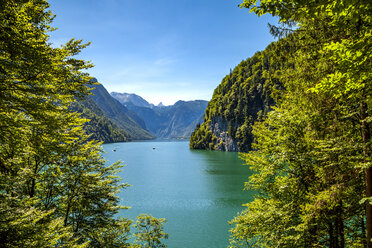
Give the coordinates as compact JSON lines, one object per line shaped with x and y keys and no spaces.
{"x":56,"y":190}
{"x":312,"y":149}
{"x":149,"y":232}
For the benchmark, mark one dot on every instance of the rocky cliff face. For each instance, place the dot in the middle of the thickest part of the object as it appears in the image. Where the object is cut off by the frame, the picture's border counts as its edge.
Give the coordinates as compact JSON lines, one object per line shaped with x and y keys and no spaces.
{"x":224,"y":141}
{"x":243,"y":97}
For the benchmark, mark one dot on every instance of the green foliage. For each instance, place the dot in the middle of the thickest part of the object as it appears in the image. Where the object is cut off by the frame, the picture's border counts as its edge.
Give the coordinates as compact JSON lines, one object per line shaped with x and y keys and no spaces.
{"x":99,"y":126}
{"x":241,"y":98}
{"x":149,"y":232}
{"x":112,"y":236}
{"x":312,"y":153}
{"x":306,"y":184}
{"x":202,"y":138}
{"x":55,"y":188}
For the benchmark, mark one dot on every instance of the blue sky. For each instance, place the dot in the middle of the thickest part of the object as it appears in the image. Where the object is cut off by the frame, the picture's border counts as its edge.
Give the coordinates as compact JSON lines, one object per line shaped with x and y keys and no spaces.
{"x":162,"y":50}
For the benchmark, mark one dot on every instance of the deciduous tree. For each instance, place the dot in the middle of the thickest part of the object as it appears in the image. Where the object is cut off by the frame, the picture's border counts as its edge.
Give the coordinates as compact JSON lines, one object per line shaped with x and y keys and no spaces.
{"x":315,"y":146}
{"x":55,"y":188}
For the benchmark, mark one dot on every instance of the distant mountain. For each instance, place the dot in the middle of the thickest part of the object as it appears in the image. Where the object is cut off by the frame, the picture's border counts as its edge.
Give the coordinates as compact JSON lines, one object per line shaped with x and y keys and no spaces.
{"x":160,"y":105}
{"x":181,"y":118}
{"x":109,"y":121}
{"x":119,"y":114}
{"x":125,"y":98}
{"x":168,"y":122}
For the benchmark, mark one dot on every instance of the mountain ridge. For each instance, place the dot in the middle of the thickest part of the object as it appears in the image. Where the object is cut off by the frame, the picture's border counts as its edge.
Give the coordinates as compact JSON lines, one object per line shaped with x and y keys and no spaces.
{"x":119,"y":114}
{"x":167,"y":122}
{"x":100,"y":127}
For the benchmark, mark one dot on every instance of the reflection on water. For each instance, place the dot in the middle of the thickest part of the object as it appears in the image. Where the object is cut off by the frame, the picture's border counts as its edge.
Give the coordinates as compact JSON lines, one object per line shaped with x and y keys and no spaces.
{"x":198,"y":192}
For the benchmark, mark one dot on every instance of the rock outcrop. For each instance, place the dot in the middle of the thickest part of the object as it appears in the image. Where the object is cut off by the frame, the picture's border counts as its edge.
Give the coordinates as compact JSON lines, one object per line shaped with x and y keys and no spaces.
{"x":243,"y":97}
{"x":224,"y":141}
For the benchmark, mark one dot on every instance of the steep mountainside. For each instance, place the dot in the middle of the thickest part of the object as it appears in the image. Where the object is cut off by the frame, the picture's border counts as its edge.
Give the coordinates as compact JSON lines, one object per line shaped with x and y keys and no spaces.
{"x":180,"y":118}
{"x":119,"y":114}
{"x":100,"y":126}
{"x":242,"y":98}
{"x":170,"y":122}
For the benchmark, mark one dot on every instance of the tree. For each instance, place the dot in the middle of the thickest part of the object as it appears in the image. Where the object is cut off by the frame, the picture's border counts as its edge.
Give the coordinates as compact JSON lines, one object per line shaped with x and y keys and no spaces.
{"x":56,"y":190}
{"x":149,"y":231}
{"x":307,"y":194}
{"x":37,"y":84}
{"x":316,"y":144}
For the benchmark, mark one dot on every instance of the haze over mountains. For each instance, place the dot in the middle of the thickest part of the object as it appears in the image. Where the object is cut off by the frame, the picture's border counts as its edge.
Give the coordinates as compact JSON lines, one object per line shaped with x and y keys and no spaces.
{"x":123,"y":117}
{"x":134,"y":99}
{"x":167,"y":122}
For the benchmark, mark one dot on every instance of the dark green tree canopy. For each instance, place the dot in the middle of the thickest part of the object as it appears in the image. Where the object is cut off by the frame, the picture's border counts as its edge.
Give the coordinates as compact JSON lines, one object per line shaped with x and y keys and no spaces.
{"x":242,"y":98}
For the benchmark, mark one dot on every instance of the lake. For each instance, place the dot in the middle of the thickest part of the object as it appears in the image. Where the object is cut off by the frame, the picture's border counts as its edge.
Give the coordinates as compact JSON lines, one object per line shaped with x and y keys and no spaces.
{"x":198,"y":192}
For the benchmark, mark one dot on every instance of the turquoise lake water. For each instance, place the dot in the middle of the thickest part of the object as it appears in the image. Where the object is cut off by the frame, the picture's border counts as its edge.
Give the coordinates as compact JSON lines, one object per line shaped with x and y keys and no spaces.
{"x":198,"y":192}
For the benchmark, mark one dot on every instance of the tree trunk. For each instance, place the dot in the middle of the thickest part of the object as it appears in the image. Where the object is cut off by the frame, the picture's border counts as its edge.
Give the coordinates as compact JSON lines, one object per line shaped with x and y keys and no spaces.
{"x":33,"y":179}
{"x":67,"y":214}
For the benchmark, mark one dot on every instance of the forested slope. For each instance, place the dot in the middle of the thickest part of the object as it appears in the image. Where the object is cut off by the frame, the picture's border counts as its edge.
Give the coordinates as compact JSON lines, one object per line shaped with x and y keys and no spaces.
{"x":109,"y":121}
{"x":99,"y":126}
{"x":119,"y":114}
{"x":242,"y":98}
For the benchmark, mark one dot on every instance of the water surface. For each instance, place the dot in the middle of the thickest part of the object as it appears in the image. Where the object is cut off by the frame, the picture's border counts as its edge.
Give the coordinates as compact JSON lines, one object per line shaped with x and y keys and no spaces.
{"x":198,"y":192}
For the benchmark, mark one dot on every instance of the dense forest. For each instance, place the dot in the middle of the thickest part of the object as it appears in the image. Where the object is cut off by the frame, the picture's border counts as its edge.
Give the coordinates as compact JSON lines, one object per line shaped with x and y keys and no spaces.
{"x":55,"y":188}
{"x":243,"y":97}
{"x":99,"y":126}
{"x":311,"y":154}
{"x":302,"y":110}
